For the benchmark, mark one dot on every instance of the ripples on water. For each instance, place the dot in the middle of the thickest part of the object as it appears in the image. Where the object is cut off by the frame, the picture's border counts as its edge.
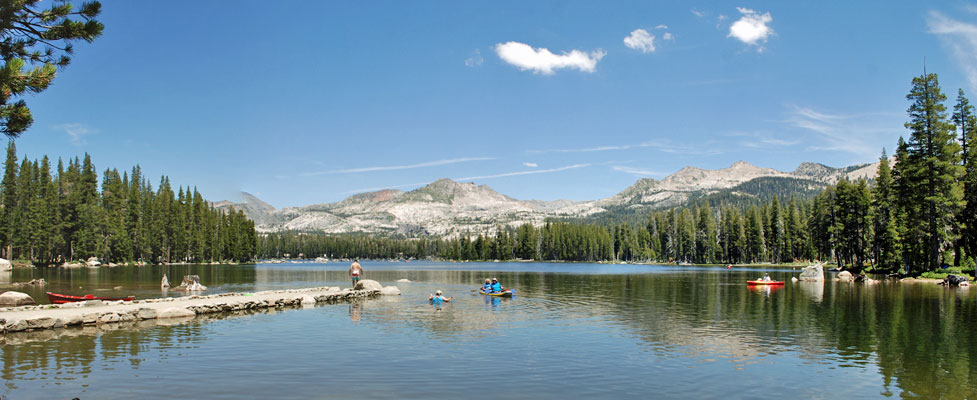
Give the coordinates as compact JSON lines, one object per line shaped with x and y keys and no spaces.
{"x":634,"y":331}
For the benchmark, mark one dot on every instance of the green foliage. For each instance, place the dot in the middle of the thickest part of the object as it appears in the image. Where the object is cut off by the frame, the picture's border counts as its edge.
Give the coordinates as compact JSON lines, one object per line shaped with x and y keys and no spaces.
{"x":53,"y":218}
{"x":41,"y":37}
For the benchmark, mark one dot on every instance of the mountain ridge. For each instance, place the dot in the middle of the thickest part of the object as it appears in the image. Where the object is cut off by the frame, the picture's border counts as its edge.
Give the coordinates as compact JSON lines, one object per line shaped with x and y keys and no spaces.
{"x":447,"y":208}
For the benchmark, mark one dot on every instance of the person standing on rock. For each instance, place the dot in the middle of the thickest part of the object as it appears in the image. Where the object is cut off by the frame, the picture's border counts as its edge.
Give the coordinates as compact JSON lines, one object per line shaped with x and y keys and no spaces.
{"x":355,"y":270}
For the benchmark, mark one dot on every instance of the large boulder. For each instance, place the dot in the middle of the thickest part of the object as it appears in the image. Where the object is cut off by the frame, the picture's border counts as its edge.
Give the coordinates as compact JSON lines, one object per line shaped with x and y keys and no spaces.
{"x":845,"y":276}
{"x":5,"y":265}
{"x":368,"y":284}
{"x":16,"y":299}
{"x":813,"y":273}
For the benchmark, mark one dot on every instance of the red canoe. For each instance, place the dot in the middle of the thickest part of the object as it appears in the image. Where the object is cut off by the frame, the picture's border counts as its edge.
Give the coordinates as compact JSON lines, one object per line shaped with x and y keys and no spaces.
{"x":771,"y":283}
{"x":64,"y":298}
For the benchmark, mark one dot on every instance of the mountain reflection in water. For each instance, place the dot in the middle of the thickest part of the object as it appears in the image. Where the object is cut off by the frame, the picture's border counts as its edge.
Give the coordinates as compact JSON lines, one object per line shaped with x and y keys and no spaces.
{"x":663,"y":330}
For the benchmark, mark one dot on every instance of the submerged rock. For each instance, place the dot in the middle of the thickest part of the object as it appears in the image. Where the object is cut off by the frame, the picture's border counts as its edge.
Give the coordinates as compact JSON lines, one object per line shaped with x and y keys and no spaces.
{"x":845,"y":276}
{"x":390,"y":291}
{"x":404,"y":280}
{"x":16,"y":299}
{"x":813,"y":273}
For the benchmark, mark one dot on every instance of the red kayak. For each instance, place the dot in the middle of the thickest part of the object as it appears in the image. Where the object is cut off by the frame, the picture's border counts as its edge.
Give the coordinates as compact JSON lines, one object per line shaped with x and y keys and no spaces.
{"x":770,"y":283}
{"x":64,"y":298}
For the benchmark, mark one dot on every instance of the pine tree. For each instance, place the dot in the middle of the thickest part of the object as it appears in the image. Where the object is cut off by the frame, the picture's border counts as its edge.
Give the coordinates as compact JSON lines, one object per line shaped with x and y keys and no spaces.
{"x":932,"y":169}
{"x":8,"y":199}
{"x":885,"y":242}
{"x":29,"y":34}
{"x":966,"y":122}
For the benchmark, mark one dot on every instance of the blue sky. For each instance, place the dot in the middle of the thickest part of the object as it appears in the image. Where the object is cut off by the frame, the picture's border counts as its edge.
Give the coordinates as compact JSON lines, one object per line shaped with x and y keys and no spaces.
{"x":310,"y":102}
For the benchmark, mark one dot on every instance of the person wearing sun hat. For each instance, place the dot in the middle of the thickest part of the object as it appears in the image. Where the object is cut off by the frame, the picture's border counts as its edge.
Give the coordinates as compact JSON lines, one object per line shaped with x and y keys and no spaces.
{"x":438,"y":298}
{"x":496,"y":286}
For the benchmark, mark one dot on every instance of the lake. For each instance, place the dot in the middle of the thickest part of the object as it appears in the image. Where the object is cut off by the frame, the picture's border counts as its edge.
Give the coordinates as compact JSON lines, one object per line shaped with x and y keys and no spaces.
{"x":572,"y":331}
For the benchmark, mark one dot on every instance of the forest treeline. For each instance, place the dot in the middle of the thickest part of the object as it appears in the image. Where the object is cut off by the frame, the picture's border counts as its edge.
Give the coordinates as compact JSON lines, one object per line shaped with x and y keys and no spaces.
{"x":916,"y":215}
{"x":52,"y":218}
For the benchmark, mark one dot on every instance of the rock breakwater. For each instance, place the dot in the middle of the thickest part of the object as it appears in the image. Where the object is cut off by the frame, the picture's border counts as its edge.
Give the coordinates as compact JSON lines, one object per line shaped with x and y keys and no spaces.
{"x":97,"y":312}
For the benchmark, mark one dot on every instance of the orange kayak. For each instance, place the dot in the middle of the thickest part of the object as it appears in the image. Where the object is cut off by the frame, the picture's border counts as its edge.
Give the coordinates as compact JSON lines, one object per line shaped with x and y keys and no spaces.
{"x":774,"y":283}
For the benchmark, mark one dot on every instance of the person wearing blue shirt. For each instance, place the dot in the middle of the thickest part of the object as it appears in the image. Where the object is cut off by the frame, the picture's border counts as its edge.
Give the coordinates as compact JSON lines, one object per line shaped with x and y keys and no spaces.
{"x":487,"y":287}
{"x":496,"y":286}
{"x":438,"y":299}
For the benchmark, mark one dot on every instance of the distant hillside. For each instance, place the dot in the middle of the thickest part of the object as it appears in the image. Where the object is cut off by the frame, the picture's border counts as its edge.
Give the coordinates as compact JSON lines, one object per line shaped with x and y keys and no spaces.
{"x":449,"y":208}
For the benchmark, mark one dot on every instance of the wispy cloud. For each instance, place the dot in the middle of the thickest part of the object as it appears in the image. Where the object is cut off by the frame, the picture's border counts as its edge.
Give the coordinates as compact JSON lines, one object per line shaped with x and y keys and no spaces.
{"x":854,"y":134}
{"x":518,"y":173}
{"x":542,"y":61}
{"x":660,"y":145}
{"x":530,"y":164}
{"x":637,"y":171}
{"x":752,"y":28}
{"x":759,"y":140}
{"x":961,"y":38}
{"x":475,"y":60}
{"x":374,"y":189}
{"x":76,"y":132}
{"x":399,"y":167}
{"x":697,"y":13}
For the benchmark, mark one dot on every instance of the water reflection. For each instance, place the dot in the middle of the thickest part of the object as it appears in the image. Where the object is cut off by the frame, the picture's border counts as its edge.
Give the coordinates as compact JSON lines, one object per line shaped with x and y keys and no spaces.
{"x":891,"y":336}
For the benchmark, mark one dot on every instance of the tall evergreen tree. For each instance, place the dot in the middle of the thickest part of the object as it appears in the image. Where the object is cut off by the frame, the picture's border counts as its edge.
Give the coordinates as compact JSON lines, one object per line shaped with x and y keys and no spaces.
{"x":966,"y":122}
{"x":932,"y":169}
{"x":8,"y":199}
{"x":885,"y":240}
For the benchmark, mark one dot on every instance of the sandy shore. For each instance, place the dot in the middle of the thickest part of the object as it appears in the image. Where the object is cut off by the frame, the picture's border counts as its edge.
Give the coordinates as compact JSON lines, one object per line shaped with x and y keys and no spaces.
{"x":97,"y":312}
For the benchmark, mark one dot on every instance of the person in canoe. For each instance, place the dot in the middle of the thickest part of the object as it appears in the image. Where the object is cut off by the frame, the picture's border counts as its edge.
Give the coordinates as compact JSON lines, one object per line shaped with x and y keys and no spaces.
{"x":766,"y":277}
{"x":437,"y":298}
{"x":496,"y":286}
{"x":487,"y":286}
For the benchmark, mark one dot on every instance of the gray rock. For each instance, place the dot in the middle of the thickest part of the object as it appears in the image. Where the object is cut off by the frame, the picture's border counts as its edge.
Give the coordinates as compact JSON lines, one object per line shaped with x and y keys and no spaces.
{"x":308,"y":300}
{"x":146,"y":313}
{"x":845,"y":276}
{"x":5,"y":265}
{"x":405,"y":280}
{"x":368,"y":284}
{"x":41,"y":323}
{"x":813,"y":273}
{"x":16,"y":299}
{"x":174,"y":312}
{"x":108,"y":317}
{"x":390,"y":291}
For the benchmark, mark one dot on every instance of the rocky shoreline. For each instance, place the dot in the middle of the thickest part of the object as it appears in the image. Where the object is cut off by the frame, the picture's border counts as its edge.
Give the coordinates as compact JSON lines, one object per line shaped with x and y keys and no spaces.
{"x":97,"y":312}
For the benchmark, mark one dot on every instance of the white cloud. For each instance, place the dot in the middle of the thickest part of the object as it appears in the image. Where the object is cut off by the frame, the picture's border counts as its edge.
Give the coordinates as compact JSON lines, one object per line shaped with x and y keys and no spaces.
{"x":475,"y":60}
{"x":76,"y":132}
{"x":636,"y":171}
{"x":751,"y":28}
{"x":640,"y":40}
{"x":530,"y":164}
{"x":662,"y":26}
{"x":400,"y":167}
{"x":698,"y":13}
{"x":543,"y":61}
{"x":518,"y":173}
{"x":668,"y":36}
{"x":961,"y":38}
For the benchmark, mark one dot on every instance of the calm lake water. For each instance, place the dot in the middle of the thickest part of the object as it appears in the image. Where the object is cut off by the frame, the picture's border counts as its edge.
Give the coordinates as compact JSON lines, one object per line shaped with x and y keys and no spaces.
{"x":573,"y":331}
